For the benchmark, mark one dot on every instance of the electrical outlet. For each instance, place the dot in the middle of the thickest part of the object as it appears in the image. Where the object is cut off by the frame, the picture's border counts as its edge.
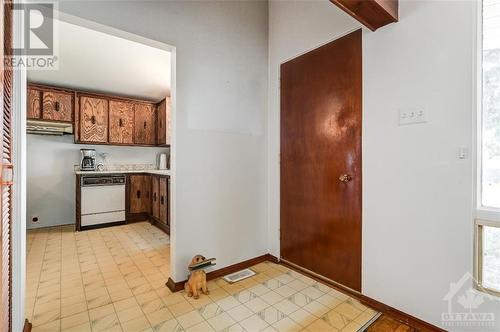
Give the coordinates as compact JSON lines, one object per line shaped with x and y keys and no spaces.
{"x":412,"y":116}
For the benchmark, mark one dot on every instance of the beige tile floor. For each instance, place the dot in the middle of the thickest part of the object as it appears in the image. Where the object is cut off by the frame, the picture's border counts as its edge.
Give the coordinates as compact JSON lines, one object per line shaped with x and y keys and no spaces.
{"x":113,"y":279}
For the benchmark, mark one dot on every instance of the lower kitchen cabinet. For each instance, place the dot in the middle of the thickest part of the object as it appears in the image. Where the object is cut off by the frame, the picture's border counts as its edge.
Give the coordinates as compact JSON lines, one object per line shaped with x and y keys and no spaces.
{"x":148,"y":198}
{"x":164,"y":191}
{"x":161,"y":202}
{"x":155,"y":199}
{"x":139,"y":197}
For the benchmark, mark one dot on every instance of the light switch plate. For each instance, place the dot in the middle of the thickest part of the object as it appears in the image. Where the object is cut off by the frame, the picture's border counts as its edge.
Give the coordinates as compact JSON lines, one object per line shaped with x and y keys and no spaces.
{"x":412,"y":115}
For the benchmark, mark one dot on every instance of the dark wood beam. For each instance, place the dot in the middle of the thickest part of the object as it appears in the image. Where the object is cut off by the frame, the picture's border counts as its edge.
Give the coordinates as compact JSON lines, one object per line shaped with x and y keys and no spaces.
{"x":371,"y":13}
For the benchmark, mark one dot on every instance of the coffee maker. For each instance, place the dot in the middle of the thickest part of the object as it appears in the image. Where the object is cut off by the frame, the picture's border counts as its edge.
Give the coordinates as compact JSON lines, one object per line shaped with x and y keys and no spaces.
{"x":87,"y":161}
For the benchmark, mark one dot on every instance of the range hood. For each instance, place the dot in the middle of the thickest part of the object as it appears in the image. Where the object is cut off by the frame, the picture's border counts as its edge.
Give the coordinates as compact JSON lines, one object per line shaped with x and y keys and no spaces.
{"x":48,"y":128}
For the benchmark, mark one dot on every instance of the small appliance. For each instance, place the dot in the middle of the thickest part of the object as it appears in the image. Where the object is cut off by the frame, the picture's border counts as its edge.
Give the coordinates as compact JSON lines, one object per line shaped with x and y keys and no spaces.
{"x":162,"y":161}
{"x":87,"y":161}
{"x":37,"y":127}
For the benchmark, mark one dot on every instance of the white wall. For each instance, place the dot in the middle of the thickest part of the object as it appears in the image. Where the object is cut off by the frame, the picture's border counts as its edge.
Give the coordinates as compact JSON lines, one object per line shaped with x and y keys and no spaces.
{"x":417,"y":195}
{"x":221,"y":100}
{"x":295,"y":27}
{"x":51,"y":178}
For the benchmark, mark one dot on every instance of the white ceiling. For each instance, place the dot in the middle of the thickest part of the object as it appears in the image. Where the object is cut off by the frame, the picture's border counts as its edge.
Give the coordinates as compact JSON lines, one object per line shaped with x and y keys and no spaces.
{"x":98,"y":62}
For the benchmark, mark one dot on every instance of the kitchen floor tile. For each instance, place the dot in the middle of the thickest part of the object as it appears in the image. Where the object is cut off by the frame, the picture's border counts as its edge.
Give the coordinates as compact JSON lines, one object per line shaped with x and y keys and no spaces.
{"x":113,"y":279}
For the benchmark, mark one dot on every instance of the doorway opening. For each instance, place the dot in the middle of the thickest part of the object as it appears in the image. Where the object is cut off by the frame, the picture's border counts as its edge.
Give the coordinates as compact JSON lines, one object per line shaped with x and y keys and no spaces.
{"x":100,"y":223}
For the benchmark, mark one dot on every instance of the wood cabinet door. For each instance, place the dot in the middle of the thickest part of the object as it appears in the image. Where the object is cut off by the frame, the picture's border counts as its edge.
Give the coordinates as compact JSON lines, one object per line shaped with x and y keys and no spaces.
{"x":163,"y":123}
{"x":139,"y":194}
{"x":121,"y":122}
{"x":34,"y":103}
{"x":155,"y":199}
{"x":93,"y":120}
{"x":57,"y":106}
{"x":145,"y":129}
{"x":164,"y":201}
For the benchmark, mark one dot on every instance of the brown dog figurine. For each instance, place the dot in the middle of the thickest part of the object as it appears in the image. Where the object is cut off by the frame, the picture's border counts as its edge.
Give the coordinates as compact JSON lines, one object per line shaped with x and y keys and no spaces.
{"x":197,"y":280}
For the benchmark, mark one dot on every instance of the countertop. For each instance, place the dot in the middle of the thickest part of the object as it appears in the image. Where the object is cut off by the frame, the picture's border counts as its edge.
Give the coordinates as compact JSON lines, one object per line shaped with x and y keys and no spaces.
{"x":144,"y":171}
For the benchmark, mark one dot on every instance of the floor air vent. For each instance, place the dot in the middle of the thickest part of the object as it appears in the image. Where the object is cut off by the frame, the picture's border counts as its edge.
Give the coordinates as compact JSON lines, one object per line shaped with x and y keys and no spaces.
{"x":240,"y":275}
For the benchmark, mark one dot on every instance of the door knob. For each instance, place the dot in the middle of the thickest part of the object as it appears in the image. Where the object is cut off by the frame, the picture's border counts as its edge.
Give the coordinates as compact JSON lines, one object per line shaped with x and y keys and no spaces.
{"x":345,"y":178}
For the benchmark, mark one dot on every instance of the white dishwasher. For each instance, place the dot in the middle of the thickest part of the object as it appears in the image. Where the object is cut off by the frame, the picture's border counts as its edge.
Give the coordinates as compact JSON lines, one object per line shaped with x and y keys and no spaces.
{"x":102,"y":200}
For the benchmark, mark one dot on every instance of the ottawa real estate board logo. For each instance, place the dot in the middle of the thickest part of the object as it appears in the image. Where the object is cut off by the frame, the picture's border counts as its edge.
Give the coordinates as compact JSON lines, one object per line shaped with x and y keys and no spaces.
{"x":467,"y":308}
{"x":35,"y":42}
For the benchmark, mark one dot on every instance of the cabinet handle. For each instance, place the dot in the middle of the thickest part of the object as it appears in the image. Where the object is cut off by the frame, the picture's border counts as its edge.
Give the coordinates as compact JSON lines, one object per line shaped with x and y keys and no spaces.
{"x":144,"y":124}
{"x":138,"y":194}
{"x":161,"y":126}
{"x":121,"y":123}
{"x":57,"y":106}
{"x":162,"y":200}
{"x":154,"y":197}
{"x":92,"y":119}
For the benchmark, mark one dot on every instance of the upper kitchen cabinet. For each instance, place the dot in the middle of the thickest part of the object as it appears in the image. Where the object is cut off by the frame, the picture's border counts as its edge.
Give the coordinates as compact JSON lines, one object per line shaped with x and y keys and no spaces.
{"x":101,"y":118}
{"x":93,"y":119}
{"x":51,"y":104}
{"x":145,"y":128}
{"x":121,"y":122}
{"x":34,"y":107}
{"x":163,"y":122}
{"x":57,"y":106}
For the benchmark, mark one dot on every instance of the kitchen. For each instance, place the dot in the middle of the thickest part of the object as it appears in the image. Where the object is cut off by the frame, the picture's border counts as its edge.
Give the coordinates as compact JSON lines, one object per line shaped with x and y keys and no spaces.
{"x":98,"y":176}
{"x":103,"y":190}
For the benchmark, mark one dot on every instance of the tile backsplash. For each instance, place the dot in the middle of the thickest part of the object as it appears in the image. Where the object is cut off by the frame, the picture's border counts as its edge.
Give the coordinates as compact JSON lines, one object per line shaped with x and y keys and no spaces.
{"x":124,"y":167}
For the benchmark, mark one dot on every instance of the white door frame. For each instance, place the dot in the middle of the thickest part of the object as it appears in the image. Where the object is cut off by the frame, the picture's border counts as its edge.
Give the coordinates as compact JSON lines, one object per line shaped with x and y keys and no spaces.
{"x":19,"y":158}
{"x":19,"y":188}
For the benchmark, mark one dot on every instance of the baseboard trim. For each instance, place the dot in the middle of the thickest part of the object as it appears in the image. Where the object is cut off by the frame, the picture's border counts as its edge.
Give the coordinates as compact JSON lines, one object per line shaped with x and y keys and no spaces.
{"x":178,"y":286}
{"x":398,"y":315}
{"x":90,"y":227}
{"x":160,"y":225}
{"x":27,"y":326}
{"x":175,"y":286}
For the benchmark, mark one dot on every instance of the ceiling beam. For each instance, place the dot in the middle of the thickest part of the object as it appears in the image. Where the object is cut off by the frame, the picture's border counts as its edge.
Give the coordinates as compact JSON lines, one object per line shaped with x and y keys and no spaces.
{"x":371,"y":13}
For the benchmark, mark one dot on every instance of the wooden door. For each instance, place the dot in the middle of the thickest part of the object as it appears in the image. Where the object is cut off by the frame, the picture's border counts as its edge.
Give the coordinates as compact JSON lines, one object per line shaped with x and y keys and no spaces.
{"x":6,"y":167}
{"x":139,"y":195}
{"x":33,"y":109}
{"x":144,"y":130}
{"x":121,"y":122}
{"x":164,"y":203}
{"x":93,"y":120}
{"x":57,"y":106}
{"x":163,"y":122}
{"x":155,"y":199}
{"x":321,"y":161}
